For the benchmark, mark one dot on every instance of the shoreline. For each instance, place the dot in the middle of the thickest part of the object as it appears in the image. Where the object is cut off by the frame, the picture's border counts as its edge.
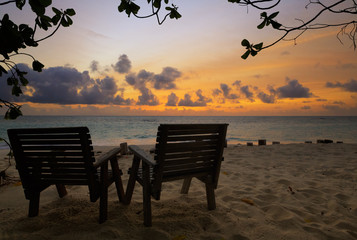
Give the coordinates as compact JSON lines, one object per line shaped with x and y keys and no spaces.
{"x":284,"y":191}
{"x":230,"y":143}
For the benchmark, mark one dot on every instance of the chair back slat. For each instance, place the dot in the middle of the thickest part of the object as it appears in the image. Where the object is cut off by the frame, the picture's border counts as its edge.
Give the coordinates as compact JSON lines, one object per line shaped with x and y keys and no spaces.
{"x":188,"y":150}
{"x":53,"y":155}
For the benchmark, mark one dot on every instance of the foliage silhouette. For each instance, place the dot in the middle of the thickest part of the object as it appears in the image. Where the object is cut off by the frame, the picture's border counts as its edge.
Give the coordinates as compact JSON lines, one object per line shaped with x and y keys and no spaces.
{"x":16,"y":37}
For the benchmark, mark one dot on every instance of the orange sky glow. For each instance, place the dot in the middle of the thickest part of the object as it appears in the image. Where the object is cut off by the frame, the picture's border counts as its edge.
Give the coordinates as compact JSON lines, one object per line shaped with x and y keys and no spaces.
{"x":109,"y":64}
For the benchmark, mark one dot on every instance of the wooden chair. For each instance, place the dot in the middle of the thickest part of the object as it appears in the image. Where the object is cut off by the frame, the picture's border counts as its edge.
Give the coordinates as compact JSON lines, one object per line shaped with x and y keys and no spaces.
{"x":63,"y":156}
{"x":182,"y":151}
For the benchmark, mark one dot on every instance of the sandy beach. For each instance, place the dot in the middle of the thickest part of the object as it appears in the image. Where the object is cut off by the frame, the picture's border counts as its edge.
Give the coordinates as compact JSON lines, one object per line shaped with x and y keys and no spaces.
{"x":285,"y":191}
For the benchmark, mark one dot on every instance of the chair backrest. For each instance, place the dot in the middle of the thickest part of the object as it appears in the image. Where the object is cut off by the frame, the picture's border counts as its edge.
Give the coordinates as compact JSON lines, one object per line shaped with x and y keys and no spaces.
{"x":184,"y":150}
{"x":46,"y":156}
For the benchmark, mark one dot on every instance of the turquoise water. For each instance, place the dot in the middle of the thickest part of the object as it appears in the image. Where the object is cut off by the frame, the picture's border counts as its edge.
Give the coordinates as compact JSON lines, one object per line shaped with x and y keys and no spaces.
{"x":142,"y":130}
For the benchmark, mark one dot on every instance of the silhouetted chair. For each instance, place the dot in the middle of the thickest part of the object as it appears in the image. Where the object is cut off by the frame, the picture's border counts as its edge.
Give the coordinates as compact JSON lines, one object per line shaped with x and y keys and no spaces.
{"x":182,"y":151}
{"x":63,"y":156}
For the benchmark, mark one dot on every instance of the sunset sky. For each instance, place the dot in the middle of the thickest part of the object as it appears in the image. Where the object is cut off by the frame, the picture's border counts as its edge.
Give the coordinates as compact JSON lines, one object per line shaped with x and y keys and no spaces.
{"x":109,"y":64}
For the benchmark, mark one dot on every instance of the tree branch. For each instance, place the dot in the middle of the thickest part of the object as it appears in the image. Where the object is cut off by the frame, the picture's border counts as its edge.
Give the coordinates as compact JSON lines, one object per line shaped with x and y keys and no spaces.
{"x":305,"y":26}
{"x":4,"y":3}
{"x":58,"y":26}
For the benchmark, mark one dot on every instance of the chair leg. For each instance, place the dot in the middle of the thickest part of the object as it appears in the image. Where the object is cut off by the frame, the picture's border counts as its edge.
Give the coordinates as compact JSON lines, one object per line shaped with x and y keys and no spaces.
{"x":147,"y":196}
{"x":103,"y":201}
{"x":186,"y":185}
{"x":61,"y":189}
{"x":117,"y":180}
{"x":34,"y":205}
{"x":132,"y":179}
{"x":211,"y":201}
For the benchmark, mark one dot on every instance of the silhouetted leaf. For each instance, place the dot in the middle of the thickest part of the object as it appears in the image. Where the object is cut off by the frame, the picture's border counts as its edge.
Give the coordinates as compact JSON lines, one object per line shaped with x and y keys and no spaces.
{"x":275,"y":24}
{"x":128,"y":7}
{"x":10,"y":81}
{"x":175,"y":14}
{"x":44,"y":22}
{"x":37,"y":66}
{"x":24,"y":81}
{"x":46,"y":3}
{"x":69,"y":21}
{"x":157,"y":3}
{"x":133,"y":8}
{"x":262,"y":25}
{"x":37,"y":7}
{"x":273,"y":15}
{"x":234,"y":1}
{"x":123,"y":5}
{"x":56,"y":11}
{"x":20,"y":4}
{"x":64,"y":22}
{"x":55,"y":19}
{"x":245,"y":43}
{"x":246,"y":54}
{"x":70,"y":12}
{"x":13,"y":113}
{"x":2,"y":70}
{"x":263,"y":15}
{"x":258,"y":46}
{"x":16,"y":90}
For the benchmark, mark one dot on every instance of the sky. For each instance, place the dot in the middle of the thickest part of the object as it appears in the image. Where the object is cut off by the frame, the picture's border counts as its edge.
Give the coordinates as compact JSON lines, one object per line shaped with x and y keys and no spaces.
{"x":109,"y":64}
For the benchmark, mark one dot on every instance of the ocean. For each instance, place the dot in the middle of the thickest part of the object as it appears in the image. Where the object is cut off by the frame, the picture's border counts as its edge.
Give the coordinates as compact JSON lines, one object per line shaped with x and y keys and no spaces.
{"x":113,"y":130}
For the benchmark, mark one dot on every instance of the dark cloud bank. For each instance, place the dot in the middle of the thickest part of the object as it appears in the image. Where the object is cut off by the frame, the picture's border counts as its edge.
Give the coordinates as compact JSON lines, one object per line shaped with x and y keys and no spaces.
{"x":64,"y":85}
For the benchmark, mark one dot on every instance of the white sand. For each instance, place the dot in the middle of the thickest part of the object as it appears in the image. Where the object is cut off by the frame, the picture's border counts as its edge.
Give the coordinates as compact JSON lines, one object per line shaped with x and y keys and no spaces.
{"x":293,"y":191}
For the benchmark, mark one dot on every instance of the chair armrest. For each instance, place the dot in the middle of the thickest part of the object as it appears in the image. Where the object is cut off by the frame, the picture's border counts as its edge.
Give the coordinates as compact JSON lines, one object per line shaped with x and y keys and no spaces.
{"x":105,"y":157}
{"x":137,"y":151}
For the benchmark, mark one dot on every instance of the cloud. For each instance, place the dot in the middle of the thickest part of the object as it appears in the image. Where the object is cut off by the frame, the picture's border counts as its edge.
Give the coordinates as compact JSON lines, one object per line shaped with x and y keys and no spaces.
{"x":247,"y":93}
{"x":172,"y":100}
{"x":123,"y":65}
{"x":306,"y":108}
{"x":293,"y":89}
{"x":147,"y":97}
{"x":350,"y":86}
{"x":5,"y":90}
{"x":284,"y":53}
{"x":237,"y":83}
{"x":166,"y":79}
{"x":347,"y":66}
{"x":94,"y":66}
{"x":245,"y":90}
{"x":266,"y":98}
{"x":258,"y":76}
{"x":202,"y":98}
{"x":65,"y":85}
{"x":216,"y":92}
{"x":104,"y":91}
{"x":339,"y":103}
{"x":138,"y":81}
{"x":201,"y":101}
{"x":331,"y":107}
{"x":226,"y":92}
